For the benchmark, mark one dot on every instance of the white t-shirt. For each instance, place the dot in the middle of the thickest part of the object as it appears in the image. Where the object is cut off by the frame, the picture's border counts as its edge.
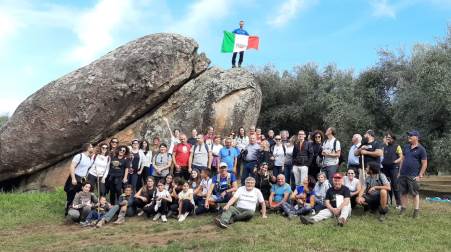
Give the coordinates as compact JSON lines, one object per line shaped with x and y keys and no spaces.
{"x":351,"y":185}
{"x":328,"y":146}
{"x":101,"y":166}
{"x":187,"y":195}
{"x":174,"y":142}
{"x":205,"y":185}
{"x":279,"y":155}
{"x":84,"y":162}
{"x":216,"y":148}
{"x":165,"y":193}
{"x":248,"y":199}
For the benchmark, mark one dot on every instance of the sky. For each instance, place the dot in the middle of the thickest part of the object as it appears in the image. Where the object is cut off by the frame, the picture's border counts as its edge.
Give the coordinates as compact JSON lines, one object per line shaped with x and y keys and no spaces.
{"x":41,"y":40}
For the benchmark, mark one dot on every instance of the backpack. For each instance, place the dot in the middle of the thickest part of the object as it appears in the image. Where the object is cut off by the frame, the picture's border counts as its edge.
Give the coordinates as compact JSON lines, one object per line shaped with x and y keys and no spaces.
{"x":218,"y":182}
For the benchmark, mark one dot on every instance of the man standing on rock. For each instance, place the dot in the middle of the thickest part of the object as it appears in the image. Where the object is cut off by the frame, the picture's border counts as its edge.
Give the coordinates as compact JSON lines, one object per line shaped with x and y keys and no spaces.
{"x":239,"y":31}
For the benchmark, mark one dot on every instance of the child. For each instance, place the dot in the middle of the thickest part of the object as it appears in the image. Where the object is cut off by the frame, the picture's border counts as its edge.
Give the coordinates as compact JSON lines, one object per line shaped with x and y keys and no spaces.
{"x":186,"y":202}
{"x":303,"y":198}
{"x":101,"y":213}
{"x":200,"y":193}
{"x":162,"y":200}
{"x":125,"y":204}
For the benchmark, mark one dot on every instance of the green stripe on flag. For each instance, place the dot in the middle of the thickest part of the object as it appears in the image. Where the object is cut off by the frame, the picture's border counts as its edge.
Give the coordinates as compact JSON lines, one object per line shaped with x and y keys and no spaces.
{"x":228,"y":43}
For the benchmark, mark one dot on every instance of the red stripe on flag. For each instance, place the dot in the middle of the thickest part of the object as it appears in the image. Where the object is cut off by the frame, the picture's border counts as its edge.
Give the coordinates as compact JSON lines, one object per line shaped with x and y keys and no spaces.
{"x":253,"y":42}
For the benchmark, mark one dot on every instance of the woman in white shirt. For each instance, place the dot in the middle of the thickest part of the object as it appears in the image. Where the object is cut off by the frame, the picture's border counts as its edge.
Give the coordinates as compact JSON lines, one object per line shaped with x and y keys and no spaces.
{"x":186,"y":202}
{"x":99,"y":170}
{"x":146,"y":153}
{"x":353,"y":184}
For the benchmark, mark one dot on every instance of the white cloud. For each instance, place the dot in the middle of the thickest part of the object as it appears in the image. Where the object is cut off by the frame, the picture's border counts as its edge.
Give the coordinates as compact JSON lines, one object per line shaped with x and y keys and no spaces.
{"x":289,"y":10}
{"x":382,"y":8}
{"x":200,"y":15}
{"x":95,"y":28}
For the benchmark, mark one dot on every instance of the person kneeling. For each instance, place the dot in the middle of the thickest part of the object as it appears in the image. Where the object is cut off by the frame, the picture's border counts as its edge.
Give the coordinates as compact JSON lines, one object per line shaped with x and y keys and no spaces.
{"x":101,"y":214}
{"x":374,"y":196}
{"x":82,"y":204}
{"x":337,"y":203}
{"x":246,"y":198}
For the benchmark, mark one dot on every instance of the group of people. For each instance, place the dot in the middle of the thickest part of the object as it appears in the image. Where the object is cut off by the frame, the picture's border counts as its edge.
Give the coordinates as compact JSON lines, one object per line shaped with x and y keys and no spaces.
{"x":295,"y":176}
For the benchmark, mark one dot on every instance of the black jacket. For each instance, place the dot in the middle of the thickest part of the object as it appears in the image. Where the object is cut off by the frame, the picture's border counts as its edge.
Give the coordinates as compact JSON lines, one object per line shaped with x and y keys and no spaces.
{"x":303,"y":156}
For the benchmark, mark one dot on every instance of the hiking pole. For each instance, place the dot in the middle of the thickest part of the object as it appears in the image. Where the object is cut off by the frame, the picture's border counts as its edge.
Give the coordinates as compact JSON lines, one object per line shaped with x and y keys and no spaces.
{"x":363,"y":168}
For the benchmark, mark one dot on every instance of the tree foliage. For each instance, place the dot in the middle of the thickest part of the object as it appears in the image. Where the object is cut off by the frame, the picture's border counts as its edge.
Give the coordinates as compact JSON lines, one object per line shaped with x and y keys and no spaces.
{"x":398,"y":93}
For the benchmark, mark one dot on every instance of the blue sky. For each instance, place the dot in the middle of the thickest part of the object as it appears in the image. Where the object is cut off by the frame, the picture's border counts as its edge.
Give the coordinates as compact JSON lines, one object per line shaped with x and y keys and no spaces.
{"x":41,"y":40}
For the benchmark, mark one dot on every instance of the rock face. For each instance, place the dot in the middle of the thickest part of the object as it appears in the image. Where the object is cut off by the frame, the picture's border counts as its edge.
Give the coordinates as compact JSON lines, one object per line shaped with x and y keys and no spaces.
{"x":225,"y":99}
{"x":96,"y":101}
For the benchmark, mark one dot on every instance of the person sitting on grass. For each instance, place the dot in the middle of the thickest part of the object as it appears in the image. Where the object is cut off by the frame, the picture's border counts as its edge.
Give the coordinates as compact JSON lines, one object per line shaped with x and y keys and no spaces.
{"x":200,"y":193}
{"x":144,"y":196}
{"x":302,"y":198}
{"x":162,"y":200}
{"x":320,"y":189}
{"x":176,"y":189}
{"x":82,"y":204}
{"x":221,"y":188}
{"x":103,"y":212}
{"x":264,"y":180}
{"x":353,"y":184}
{"x":374,"y":196}
{"x":186,"y":202}
{"x":337,"y":204}
{"x":195,"y":178}
{"x":246,"y":198}
{"x":280,"y":193}
{"x":126,"y":205}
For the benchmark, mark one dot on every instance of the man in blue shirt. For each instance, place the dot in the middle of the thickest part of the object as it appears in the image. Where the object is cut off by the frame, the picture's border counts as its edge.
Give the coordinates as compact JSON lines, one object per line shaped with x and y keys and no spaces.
{"x":353,"y":160}
{"x":413,"y":167}
{"x":229,"y":155}
{"x":239,"y":31}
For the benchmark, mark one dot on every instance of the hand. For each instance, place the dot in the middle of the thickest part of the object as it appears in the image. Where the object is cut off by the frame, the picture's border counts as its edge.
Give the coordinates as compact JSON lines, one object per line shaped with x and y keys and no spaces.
{"x":223,"y":194}
{"x":124,"y":181}
{"x":177,"y":167}
{"x":103,"y":180}
{"x":190,"y":170}
{"x":74,"y":182}
{"x":360,"y":200}
{"x":140,"y":171}
{"x":371,"y":190}
{"x":336,"y":211}
{"x":417,"y":178}
{"x":272,"y":158}
{"x":226,"y":207}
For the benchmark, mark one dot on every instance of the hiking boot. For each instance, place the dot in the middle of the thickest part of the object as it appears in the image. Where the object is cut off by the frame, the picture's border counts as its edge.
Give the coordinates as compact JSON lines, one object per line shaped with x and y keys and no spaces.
{"x":402,"y":211}
{"x":341,"y":221}
{"x":156,"y":217}
{"x":220,"y":224}
{"x":381,"y":217}
{"x":416,"y":213}
{"x":163,"y":218}
{"x":100,"y":223}
{"x":306,"y":220}
{"x":140,"y":212}
{"x":120,"y":220}
{"x":84,"y":223}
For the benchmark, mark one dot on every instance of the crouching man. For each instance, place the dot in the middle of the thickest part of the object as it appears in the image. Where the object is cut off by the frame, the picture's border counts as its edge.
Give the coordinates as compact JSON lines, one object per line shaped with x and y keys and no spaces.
{"x":246,"y":198}
{"x":374,"y":196}
{"x":337,"y":203}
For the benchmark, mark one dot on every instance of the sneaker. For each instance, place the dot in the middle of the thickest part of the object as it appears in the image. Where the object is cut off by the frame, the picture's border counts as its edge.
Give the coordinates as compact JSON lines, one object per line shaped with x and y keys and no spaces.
{"x":381,"y":217}
{"x":140,"y":212}
{"x":306,"y":220}
{"x":341,"y":221}
{"x":100,"y":223}
{"x":84,"y":223}
{"x":416,"y":212}
{"x":402,"y":211}
{"x":398,"y":207}
{"x":163,"y":218}
{"x":156,"y":217}
{"x":220,"y":224}
{"x":119,"y":221}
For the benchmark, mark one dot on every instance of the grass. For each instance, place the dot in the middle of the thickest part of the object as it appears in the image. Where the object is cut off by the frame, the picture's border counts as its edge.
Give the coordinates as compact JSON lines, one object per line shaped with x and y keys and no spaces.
{"x":34,"y":221}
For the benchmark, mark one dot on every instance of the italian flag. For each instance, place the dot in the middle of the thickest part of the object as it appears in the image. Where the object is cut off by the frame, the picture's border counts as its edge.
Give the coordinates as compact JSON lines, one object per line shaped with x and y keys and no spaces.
{"x":237,"y":43}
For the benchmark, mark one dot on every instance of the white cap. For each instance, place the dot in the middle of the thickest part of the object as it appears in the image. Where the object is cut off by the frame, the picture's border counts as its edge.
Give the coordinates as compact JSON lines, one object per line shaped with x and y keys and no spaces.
{"x":223,"y":164}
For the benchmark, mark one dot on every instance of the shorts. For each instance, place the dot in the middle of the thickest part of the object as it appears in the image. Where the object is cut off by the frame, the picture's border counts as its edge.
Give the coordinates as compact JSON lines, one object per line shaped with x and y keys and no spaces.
{"x":408,"y":185}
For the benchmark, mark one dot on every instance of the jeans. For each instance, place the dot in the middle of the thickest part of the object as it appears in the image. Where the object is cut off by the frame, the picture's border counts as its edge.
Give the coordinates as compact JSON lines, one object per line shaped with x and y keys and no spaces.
{"x":248,"y":170}
{"x":133,"y":180}
{"x":330,"y":171}
{"x":236,"y":214}
{"x":288,"y":172}
{"x":278,"y":170}
{"x":240,"y":61}
{"x":300,"y":173}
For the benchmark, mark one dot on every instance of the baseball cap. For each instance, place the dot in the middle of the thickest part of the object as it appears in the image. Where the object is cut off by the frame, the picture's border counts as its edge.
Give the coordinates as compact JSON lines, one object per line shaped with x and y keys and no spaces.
{"x":413,"y":133}
{"x":223,"y":164}
{"x":337,"y":175}
{"x":371,"y":133}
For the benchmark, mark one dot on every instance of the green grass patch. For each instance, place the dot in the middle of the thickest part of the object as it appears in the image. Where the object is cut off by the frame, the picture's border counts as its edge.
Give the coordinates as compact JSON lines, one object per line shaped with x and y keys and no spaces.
{"x":34,"y":221}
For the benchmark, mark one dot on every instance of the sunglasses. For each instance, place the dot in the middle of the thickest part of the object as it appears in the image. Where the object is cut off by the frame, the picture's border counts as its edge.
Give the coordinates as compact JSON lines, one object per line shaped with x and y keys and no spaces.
{"x":278,"y":139}
{"x":123,"y":150}
{"x":115,"y":142}
{"x":351,"y":173}
{"x":104,"y":147}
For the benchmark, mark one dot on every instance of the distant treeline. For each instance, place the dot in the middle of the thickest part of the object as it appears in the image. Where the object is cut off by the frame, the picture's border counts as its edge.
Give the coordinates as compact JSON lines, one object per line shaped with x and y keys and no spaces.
{"x":400,"y":92}
{"x":3,"y":120}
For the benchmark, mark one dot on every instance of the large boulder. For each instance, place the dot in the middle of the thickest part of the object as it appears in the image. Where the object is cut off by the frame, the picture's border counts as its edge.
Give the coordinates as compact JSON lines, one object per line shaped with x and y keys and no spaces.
{"x":226,"y":100}
{"x":96,"y":101}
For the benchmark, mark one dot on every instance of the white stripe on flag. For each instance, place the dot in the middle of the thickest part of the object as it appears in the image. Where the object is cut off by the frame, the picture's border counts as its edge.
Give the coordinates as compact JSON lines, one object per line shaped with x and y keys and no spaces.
{"x":240,"y":43}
